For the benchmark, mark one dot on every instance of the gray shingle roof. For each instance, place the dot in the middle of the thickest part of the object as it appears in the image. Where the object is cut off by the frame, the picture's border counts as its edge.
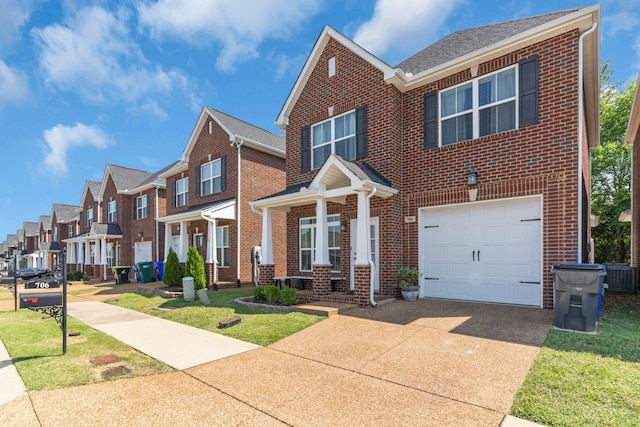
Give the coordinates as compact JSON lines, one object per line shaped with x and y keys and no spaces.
{"x":126,"y":178}
{"x":365,"y":172}
{"x":464,"y":42}
{"x":65,"y":213}
{"x":94,"y":187}
{"x":110,"y":229}
{"x":45,"y":220}
{"x":154,"y":179}
{"x":251,"y":132}
{"x":30,"y":228}
{"x":11,"y":241}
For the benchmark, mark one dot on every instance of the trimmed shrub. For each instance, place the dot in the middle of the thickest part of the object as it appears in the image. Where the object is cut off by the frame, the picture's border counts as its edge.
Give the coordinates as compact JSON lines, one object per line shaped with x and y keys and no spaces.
{"x":288,"y":296}
{"x":75,"y":275}
{"x":194,"y":267}
{"x":274,"y":295}
{"x":172,"y":271}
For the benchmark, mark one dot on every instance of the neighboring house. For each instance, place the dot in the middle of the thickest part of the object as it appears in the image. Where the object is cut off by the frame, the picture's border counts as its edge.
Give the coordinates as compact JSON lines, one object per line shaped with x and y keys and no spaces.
{"x":468,"y":161}
{"x":64,"y":220}
{"x":632,"y":138}
{"x":143,"y":240}
{"x":46,"y":249}
{"x":226,"y":164}
{"x":31,"y":242}
{"x":83,"y":257}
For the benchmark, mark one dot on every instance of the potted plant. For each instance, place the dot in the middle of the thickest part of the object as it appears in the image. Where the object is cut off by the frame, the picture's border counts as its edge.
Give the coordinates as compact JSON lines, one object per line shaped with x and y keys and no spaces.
{"x":409,"y":283}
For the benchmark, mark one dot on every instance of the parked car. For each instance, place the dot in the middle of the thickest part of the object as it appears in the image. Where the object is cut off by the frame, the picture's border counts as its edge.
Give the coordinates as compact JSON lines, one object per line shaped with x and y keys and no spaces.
{"x":32,"y":273}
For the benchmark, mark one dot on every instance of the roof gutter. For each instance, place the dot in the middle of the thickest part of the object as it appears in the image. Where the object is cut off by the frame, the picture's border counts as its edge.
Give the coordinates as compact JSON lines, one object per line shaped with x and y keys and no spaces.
{"x":580,"y":133}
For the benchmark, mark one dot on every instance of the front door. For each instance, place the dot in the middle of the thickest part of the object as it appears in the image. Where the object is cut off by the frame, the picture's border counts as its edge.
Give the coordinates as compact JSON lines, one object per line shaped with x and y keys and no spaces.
{"x":374,"y":239}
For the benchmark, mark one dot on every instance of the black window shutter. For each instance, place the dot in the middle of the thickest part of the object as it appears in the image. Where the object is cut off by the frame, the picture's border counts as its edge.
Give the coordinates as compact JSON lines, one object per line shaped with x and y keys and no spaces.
{"x":361,"y":132}
{"x":529,"y":91}
{"x":223,"y":173}
{"x":173,"y":194}
{"x":306,"y":148}
{"x":430,"y":120}
{"x":198,"y":184}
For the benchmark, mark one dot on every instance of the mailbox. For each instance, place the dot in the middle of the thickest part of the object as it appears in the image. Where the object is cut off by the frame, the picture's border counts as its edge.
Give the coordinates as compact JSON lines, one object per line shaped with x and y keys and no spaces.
{"x":40,"y":299}
{"x":7,"y":280}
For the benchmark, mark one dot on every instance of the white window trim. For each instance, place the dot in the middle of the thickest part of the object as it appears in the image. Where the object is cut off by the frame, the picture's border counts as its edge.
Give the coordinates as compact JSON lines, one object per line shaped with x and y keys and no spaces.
{"x":475,"y":108}
{"x":89,"y":217}
{"x":332,"y":141}
{"x":222,"y":263}
{"x":185,"y":192}
{"x":112,"y":215}
{"x":212,"y":178}
{"x":332,"y":220}
{"x":142,"y":211}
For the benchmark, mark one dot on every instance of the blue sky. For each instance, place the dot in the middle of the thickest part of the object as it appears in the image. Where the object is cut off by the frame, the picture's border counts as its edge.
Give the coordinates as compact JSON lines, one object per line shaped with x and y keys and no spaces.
{"x":85,"y":83}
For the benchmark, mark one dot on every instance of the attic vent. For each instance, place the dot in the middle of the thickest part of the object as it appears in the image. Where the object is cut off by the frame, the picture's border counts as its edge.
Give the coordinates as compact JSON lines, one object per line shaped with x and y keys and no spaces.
{"x":332,"y":66}
{"x":210,"y":127}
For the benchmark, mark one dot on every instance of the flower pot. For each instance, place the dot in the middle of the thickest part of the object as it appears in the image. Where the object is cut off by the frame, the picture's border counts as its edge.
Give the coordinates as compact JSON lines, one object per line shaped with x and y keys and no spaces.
{"x":410,"y":293}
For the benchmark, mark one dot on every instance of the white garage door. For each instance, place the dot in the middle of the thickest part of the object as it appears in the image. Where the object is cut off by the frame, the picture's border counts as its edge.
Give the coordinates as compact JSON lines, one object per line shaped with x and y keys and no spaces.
{"x":489,"y":251}
{"x":143,"y":252}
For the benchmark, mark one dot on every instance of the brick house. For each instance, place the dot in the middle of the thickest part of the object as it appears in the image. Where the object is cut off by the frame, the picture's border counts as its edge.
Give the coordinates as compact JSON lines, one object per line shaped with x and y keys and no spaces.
{"x":468,"y":161}
{"x":30,"y":230}
{"x":81,"y":250}
{"x":226,"y":164}
{"x":44,"y":251}
{"x":632,"y":138}
{"x":64,"y":220}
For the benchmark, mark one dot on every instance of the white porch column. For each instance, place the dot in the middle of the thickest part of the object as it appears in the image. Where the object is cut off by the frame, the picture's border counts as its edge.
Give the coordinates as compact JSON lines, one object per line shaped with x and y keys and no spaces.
{"x":87,"y":252}
{"x":80,"y":253}
{"x":322,"y":234}
{"x":267,"y":237}
{"x":97,"y":252}
{"x":103,"y":257}
{"x":212,"y":246}
{"x":167,"y":239}
{"x":361,"y":229}
{"x":71,"y":253}
{"x":184,"y":242}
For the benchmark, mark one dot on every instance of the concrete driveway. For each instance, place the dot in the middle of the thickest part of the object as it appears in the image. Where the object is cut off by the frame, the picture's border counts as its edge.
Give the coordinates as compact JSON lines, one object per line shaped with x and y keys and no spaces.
{"x":426,"y":362}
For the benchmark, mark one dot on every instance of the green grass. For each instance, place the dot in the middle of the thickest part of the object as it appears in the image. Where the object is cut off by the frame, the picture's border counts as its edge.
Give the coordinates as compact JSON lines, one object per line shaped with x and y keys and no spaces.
{"x":34,"y":342}
{"x":257,"y":326}
{"x":586,"y":380}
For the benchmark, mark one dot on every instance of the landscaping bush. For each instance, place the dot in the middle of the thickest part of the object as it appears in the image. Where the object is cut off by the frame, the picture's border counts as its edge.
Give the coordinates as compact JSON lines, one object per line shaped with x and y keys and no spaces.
{"x":172,"y":271}
{"x":194,"y":267}
{"x":274,"y":295}
{"x":75,"y":275}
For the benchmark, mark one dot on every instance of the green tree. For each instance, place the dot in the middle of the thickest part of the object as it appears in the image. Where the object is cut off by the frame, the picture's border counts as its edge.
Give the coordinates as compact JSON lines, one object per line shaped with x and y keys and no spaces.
{"x":194,"y":267}
{"x":611,"y":172}
{"x":172,"y":274}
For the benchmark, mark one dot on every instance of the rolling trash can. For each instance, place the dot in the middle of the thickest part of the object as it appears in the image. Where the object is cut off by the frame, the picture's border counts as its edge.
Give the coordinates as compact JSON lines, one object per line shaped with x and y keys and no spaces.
{"x":121,"y":272}
{"x":159,"y":270}
{"x":577,"y":295}
{"x":146,"y":271}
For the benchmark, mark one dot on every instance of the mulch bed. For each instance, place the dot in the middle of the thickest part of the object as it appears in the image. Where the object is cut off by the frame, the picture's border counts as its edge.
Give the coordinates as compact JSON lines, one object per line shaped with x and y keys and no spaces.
{"x":613,"y":302}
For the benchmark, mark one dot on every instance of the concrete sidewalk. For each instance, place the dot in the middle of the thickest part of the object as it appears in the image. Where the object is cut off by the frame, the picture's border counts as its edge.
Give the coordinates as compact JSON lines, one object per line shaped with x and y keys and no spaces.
{"x":11,"y":385}
{"x":179,"y":346}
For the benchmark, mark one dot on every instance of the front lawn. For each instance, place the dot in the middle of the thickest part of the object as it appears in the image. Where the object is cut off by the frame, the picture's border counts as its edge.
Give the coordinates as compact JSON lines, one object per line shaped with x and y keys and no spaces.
{"x":257,"y":326}
{"x":587,"y":380}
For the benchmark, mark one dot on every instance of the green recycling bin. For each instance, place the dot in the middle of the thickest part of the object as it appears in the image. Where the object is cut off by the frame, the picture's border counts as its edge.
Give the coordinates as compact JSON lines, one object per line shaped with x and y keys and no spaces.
{"x":146,"y":271}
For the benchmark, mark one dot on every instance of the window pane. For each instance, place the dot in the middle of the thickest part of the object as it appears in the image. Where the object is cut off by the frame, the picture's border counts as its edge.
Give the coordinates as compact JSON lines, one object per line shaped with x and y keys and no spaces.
{"x":449,"y":134}
{"x":346,"y":148}
{"x":206,"y":171}
{"x":465,"y":127}
{"x":487,"y":121}
{"x":486,"y":90}
{"x":506,"y":116}
{"x":215,"y":168}
{"x":305,"y":260}
{"x":305,"y":238}
{"x":206,"y":187}
{"x":217,"y":185}
{"x":506,"y":84}
{"x":345,"y":125}
{"x":334,"y":259}
{"x":321,"y":133}
{"x":334,"y":236}
{"x":465,"y":98}
{"x":320,"y":155}
{"x":448,"y":101}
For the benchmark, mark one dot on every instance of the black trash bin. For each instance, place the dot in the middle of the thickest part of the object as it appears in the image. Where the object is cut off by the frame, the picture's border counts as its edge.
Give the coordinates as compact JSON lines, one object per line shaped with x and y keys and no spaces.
{"x":577,"y":295}
{"x":122,"y":274}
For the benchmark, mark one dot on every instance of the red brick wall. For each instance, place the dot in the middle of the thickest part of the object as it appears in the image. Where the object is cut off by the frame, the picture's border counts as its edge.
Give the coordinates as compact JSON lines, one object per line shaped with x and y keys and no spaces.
{"x":538,"y":159}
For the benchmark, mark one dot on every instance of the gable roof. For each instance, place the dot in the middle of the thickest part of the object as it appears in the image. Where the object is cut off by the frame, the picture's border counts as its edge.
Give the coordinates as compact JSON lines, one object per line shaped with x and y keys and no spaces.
{"x":92,"y":187}
{"x":30,"y":228}
{"x":155,"y":179}
{"x":45,"y":221}
{"x":238,"y":131}
{"x":124,"y":179}
{"x":64,"y":213}
{"x":466,"y":49}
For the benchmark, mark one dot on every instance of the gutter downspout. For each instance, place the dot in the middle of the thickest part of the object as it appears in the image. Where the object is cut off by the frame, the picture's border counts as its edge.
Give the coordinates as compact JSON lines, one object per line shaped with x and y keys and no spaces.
{"x":371,"y":264}
{"x":238,"y":144}
{"x":580,"y":137}
{"x":157,"y":237}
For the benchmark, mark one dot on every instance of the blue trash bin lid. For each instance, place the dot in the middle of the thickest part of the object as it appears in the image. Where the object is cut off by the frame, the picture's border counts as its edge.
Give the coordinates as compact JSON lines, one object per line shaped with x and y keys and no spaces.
{"x":579,"y":266}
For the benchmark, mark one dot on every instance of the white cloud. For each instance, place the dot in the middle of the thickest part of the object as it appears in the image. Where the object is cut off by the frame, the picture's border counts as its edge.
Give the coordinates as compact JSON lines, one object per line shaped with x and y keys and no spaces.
{"x":61,"y":139}
{"x":14,"y":14}
{"x":404,"y":25}
{"x":13,"y":85}
{"x":620,"y":22}
{"x":239,"y":26}
{"x":94,"y":55}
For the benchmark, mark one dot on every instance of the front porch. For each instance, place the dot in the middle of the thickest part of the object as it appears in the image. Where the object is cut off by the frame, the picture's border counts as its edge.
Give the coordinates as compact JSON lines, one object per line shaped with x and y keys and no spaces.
{"x":307,"y":296}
